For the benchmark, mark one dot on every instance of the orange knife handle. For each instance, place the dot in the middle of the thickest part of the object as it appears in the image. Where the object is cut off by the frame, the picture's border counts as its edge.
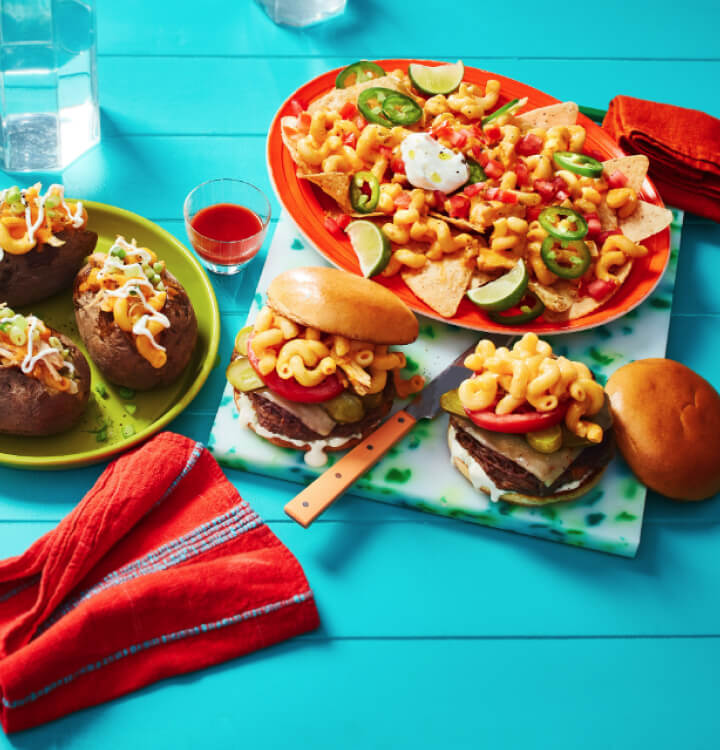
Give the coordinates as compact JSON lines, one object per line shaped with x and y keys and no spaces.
{"x":317,"y":496}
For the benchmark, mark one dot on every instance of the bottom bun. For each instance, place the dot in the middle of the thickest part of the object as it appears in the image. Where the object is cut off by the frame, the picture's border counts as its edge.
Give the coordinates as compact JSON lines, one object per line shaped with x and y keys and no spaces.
{"x":518,"y":498}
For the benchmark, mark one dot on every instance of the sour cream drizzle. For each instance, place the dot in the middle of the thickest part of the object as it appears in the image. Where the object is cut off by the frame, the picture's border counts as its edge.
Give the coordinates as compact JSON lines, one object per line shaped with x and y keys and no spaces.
{"x":44,"y":349}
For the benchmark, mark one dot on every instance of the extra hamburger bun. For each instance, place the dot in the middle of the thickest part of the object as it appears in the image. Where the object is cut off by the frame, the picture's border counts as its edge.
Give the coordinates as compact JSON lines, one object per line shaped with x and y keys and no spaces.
{"x":532,"y":500}
{"x":338,"y":302}
{"x":667,"y":421}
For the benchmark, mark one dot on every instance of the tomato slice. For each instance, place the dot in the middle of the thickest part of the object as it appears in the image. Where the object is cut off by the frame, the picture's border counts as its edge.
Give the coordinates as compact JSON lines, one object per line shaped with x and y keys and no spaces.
{"x":517,"y":422}
{"x":291,"y":389}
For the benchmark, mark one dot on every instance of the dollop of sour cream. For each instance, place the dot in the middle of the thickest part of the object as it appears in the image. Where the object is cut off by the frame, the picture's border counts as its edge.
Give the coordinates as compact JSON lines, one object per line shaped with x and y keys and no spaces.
{"x":431,"y":166}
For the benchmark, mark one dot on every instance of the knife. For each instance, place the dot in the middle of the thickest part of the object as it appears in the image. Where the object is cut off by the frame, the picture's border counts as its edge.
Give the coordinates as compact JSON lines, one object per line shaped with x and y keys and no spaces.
{"x":319,"y":495}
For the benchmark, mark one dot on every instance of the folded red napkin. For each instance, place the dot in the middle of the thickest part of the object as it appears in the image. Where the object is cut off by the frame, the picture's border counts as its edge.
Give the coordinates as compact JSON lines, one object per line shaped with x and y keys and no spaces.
{"x":161,"y":569}
{"x":683,"y":146}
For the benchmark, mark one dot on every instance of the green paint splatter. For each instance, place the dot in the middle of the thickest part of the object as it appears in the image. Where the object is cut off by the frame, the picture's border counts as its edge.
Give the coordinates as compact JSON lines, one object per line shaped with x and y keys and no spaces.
{"x":625,"y":516}
{"x":660,"y":303}
{"x":413,"y":442}
{"x":399,"y":476}
{"x":411,"y":365}
{"x":593,"y":519}
{"x":443,"y":499}
{"x":631,"y":314}
{"x":603,"y":332}
{"x":593,"y":497}
{"x":627,"y":330}
{"x":575,"y":532}
{"x":297,"y":245}
{"x":630,"y":488}
{"x":394,"y":451}
{"x":225,"y":400}
{"x":427,"y":331}
{"x":603,"y":357}
{"x":548,"y":512}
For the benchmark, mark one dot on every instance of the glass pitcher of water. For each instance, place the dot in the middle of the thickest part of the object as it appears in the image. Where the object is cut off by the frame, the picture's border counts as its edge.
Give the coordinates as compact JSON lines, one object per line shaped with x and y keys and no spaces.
{"x":48,"y":81}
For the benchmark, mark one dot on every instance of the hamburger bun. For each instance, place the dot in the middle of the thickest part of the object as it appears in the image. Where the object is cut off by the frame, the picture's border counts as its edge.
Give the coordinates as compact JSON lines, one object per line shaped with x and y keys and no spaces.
{"x":667,"y":421}
{"x":338,"y":302}
{"x":532,"y":500}
{"x":350,"y":443}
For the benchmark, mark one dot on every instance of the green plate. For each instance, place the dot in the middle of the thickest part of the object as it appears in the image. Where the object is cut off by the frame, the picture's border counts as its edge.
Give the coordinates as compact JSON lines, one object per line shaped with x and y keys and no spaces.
{"x":155,"y":409}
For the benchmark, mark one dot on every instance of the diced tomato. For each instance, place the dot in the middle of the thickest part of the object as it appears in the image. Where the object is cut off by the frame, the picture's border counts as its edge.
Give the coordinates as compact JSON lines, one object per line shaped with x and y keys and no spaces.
{"x":522,"y":172}
{"x":442,"y":131}
{"x":602,"y":236}
{"x":343,"y":220}
{"x":518,"y":422}
{"x":440,"y":198}
{"x":594,"y":226}
{"x":474,"y":189}
{"x":385,"y":151}
{"x":599,"y":289}
{"x":483,"y":159}
{"x":493,"y":133}
{"x":532,"y":212}
{"x":350,"y":140}
{"x":403,"y":199}
{"x":360,"y":123}
{"x":348,"y":111}
{"x":617,"y":179}
{"x":478,"y":132}
{"x":477,"y":152}
{"x":458,"y":139}
{"x":559,"y":184}
{"x":459,"y":206}
{"x":292,"y":390}
{"x":295,"y":107}
{"x":529,"y":144}
{"x":545,"y":188}
{"x":497,"y":194}
{"x":397,"y":165}
{"x":562,"y":195}
{"x":332,"y":226}
{"x":493,"y":169}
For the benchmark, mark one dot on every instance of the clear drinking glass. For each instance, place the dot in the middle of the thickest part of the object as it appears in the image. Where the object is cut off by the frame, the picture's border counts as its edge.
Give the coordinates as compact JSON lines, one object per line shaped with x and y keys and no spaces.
{"x":302,"y":12}
{"x":48,"y":83}
{"x":226,"y":221}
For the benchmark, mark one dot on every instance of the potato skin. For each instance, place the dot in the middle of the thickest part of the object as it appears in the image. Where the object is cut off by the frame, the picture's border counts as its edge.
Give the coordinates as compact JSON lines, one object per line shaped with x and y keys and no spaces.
{"x":32,"y":409}
{"x":113,"y":350}
{"x":45,"y":270}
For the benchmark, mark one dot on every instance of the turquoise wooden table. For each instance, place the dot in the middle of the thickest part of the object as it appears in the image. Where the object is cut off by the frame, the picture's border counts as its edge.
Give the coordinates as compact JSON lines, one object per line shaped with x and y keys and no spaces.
{"x":435,"y":633}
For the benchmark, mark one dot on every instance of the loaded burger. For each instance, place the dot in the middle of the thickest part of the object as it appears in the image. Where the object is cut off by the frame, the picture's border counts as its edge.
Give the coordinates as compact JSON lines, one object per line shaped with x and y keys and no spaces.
{"x":314,"y":371}
{"x":528,"y":427}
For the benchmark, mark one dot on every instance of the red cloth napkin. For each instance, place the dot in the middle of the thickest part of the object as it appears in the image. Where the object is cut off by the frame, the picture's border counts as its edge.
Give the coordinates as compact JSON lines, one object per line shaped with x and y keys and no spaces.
{"x":161,"y":569}
{"x":683,"y":146}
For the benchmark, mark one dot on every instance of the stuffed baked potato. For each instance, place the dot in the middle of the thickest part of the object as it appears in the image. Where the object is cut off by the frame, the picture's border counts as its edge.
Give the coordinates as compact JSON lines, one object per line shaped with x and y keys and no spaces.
{"x":44,"y":377}
{"x":43,"y":242}
{"x":135,"y":317}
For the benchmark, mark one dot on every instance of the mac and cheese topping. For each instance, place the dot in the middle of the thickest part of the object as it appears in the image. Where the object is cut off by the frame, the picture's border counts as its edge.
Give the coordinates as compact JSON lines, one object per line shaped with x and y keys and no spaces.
{"x":309,"y":356}
{"x":129,"y":284}
{"x":506,"y":380}
{"x":29,"y":218}
{"x":26,"y":342}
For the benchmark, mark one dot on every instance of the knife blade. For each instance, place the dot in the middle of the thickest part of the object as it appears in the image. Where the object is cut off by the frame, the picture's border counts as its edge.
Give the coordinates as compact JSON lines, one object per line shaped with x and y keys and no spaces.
{"x":321,"y":493}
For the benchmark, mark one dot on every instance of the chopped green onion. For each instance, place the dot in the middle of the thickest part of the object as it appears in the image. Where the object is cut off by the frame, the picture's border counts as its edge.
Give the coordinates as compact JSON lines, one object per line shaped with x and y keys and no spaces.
{"x":159,"y":267}
{"x":52,"y":202}
{"x":101,"y":435}
{"x":13,"y":195}
{"x":17,"y":336}
{"x":54,"y":341}
{"x":128,"y":431}
{"x":6,"y":312}
{"x":17,"y":209}
{"x":131,"y":408}
{"x":160,"y":286}
{"x":101,"y":390}
{"x":126,"y":393}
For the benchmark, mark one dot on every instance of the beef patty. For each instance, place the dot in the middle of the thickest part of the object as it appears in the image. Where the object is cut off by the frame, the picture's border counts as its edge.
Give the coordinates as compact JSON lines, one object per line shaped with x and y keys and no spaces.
{"x":507,"y":475}
{"x":274,"y":418}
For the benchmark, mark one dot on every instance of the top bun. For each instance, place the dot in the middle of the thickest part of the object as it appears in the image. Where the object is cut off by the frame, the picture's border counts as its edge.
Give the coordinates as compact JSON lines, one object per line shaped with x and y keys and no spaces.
{"x":338,"y":302}
{"x":667,"y":421}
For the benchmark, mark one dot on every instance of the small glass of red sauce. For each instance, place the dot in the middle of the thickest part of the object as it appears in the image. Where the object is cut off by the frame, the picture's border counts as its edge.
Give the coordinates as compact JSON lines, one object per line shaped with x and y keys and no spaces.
{"x":226,"y":221}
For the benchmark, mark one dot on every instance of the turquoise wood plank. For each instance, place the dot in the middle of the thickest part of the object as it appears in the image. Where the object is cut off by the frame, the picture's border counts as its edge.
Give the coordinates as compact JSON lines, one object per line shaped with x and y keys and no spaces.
{"x":697,"y":269}
{"x":399,"y":694}
{"x":389,"y":580}
{"x":370,"y":29}
{"x":196,"y":108}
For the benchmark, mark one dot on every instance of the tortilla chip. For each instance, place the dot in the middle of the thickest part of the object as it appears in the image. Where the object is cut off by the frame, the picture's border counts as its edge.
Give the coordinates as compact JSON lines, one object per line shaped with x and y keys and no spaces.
{"x":335,"y":99}
{"x":441,"y":284}
{"x":557,"y":298}
{"x":459,"y":223}
{"x":335,"y":184}
{"x":633,"y":167}
{"x":290,"y":137}
{"x":554,"y":115}
{"x":608,"y":217}
{"x":647,"y":220}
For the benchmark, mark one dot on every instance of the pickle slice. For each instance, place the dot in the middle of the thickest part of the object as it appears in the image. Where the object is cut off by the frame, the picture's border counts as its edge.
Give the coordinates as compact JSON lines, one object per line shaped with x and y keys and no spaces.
{"x":242,"y":377}
{"x":548,"y":440}
{"x":450,"y":402}
{"x":241,"y":340}
{"x":344,"y":408}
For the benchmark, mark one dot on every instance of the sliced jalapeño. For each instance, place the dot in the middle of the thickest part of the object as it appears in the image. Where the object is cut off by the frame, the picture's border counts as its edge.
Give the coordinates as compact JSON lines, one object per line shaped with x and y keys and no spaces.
{"x":548,"y":219}
{"x":568,"y":259}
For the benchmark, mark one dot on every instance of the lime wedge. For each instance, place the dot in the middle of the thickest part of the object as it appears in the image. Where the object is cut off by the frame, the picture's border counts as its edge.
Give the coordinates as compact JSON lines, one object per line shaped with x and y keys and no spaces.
{"x":371,"y":246}
{"x":504,"y":292}
{"x":439,"y":79}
